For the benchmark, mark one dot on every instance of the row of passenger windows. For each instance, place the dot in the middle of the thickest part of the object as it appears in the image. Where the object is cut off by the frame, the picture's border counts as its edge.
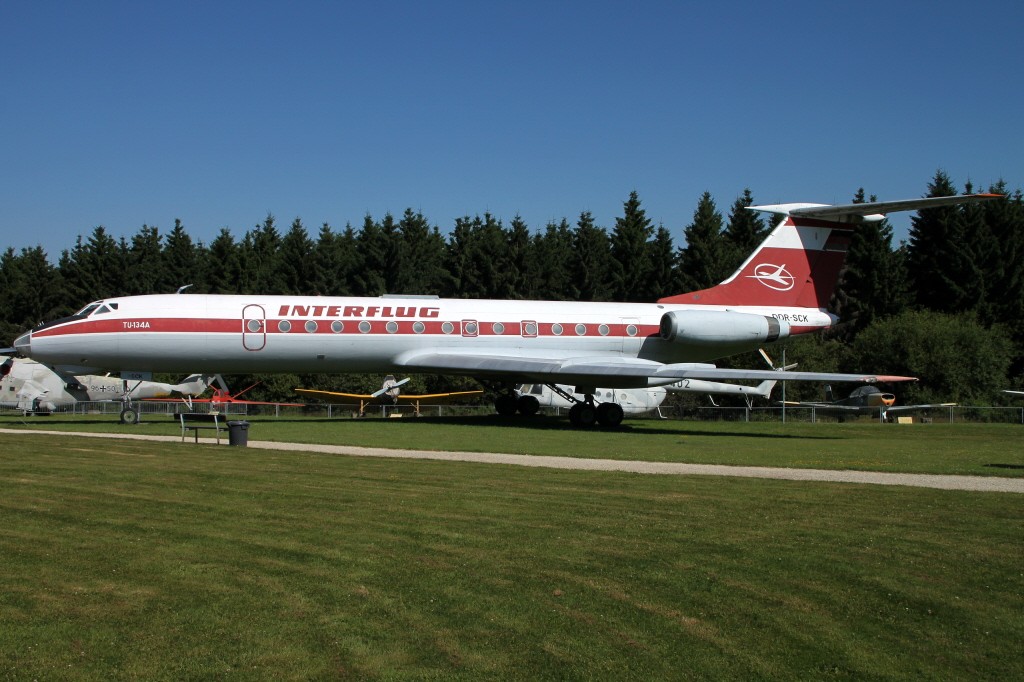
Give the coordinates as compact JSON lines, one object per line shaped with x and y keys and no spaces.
{"x":469,"y":328}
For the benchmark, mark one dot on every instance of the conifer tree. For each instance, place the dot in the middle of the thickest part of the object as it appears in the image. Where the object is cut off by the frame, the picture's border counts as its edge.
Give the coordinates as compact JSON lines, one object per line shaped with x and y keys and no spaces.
{"x":630,"y":252}
{"x":222,"y":265}
{"x":259,"y":257}
{"x":330,"y":265}
{"x":394,"y":256}
{"x":146,"y":272}
{"x":1005,"y":271}
{"x":182,"y":262}
{"x":371,"y":244}
{"x":33,"y":292}
{"x":661,"y":279}
{"x":942,"y":269}
{"x":421,"y":266}
{"x":745,"y":231}
{"x":520,"y":258}
{"x":591,"y":261}
{"x":554,"y":261}
{"x":873,"y":281}
{"x":703,"y":262}
{"x":296,"y":260}
{"x":94,"y":269}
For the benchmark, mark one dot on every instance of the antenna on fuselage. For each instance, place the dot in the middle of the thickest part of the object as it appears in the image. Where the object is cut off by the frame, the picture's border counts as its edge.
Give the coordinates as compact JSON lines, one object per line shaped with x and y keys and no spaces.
{"x":182,"y":288}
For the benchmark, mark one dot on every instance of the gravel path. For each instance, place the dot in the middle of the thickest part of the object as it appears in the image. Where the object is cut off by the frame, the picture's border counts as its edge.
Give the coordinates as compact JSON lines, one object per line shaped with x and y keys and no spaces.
{"x":976,"y":483}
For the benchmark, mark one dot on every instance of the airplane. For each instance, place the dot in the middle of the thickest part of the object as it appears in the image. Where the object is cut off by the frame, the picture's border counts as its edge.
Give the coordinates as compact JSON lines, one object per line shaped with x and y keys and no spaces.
{"x":35,"y":388}
{"x":390,"y":394}
{"x":864,"y":400}
{"x":781,"y":290}
{"x":641,"y":400}
{"x":222,"y":396}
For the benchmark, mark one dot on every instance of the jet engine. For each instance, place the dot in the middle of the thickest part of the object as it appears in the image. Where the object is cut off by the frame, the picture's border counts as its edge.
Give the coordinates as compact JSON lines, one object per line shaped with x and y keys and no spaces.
{"x":707,"y":328}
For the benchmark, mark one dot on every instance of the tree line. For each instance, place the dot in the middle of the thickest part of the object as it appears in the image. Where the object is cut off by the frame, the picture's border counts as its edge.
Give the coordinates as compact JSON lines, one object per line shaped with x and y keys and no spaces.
{"x":960,"y":272}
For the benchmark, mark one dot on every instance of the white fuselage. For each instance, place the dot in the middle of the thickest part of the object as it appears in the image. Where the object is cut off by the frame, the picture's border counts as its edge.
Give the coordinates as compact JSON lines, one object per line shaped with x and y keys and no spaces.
{"x":232,"y":334}
{"x":632,"y":400}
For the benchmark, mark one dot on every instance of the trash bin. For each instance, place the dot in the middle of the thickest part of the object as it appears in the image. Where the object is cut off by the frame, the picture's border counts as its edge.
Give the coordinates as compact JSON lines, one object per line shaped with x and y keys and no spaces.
{"x":238,"y":433}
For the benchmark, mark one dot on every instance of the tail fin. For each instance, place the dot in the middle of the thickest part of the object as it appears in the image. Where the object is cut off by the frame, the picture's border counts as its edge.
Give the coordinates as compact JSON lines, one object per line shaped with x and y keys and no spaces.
{"x":798,"y":264}
{"x":764,"y":389}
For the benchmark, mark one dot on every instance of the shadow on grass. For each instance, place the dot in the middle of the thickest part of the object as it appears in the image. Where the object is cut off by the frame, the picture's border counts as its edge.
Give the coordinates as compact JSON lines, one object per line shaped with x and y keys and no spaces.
{"x":536,"y":423}
{"x":1005,"y":466}
{"x":550,"y":423}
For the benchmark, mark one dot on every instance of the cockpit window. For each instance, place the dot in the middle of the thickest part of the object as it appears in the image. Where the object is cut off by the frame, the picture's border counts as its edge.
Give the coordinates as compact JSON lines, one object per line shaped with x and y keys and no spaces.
{"x":88,"y":310}
{"x":102,"y":309}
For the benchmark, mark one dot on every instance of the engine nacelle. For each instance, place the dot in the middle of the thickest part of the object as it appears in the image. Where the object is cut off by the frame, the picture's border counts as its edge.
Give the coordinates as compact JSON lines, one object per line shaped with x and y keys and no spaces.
{"x":721,"y":328}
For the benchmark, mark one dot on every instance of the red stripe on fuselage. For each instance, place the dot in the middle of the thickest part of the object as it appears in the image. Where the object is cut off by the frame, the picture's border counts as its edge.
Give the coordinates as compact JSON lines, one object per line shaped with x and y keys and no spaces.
{"x":377,"y":327}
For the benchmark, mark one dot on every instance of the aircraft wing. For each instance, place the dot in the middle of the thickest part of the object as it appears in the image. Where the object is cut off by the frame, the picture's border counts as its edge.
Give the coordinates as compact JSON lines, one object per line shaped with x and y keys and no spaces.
{"x":340,"y":398}
{"x":332,"y":396}
{"x":604,"y":370}
{"x":909,"y":408}
{"x":214,"y":401}
{"x":411,"y":398}
{"x":831,"y":407}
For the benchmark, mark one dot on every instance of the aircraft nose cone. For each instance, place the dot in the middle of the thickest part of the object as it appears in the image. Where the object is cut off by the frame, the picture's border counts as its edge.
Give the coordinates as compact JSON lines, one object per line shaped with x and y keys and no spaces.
{"x":24,"y":344}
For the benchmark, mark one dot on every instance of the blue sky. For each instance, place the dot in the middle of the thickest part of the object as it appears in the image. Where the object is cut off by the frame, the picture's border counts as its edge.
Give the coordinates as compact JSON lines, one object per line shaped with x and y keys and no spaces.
{"x":122,"y":114}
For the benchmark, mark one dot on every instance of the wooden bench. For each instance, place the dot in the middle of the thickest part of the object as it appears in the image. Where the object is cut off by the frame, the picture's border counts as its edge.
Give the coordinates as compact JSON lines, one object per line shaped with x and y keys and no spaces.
{"x":197,"y":421}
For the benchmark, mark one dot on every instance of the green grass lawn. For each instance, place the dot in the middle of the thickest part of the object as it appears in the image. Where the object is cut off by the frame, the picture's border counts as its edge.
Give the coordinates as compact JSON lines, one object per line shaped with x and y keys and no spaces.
{"x":972,"y":449}
{"x":134,"y":560}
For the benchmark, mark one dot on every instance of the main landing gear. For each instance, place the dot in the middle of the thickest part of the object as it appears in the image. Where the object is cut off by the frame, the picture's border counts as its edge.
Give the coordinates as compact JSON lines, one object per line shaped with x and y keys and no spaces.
{"x":586,"y":413}
{"x":583,"y":413}
{"x":508,"y":404}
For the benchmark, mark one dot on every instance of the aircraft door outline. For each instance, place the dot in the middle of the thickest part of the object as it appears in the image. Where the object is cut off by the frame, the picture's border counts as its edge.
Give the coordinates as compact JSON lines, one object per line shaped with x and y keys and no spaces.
{"x":631,"y":340}
{"x":254,"y":327}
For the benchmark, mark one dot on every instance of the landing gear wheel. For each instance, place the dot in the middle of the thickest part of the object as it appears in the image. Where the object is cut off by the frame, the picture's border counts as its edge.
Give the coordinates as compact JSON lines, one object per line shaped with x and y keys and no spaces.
{"x":609,"y":414}
{"x":129,"y":416}
{"x":505,"y":405}
{"x":527,"y":405}
{"x":582,"y":415}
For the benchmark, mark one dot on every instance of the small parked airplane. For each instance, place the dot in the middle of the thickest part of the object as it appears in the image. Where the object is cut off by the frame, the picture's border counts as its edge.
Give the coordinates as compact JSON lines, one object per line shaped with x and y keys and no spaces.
{"x":641,"y":400}
{"x":390,"y":394}
{"x":782,"y":289}
{"x":864,"y":400}
{"x":222,"y":396}
{"x":33,"y":387}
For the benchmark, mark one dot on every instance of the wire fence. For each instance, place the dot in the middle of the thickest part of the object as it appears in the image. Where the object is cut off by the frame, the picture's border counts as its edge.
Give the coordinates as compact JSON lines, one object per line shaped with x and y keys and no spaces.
{"x":951,"y":415}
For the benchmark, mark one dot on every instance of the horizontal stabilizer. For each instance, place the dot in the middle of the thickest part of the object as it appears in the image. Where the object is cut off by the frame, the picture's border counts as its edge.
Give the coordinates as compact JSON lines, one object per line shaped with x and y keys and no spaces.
{"x":869,"y":211}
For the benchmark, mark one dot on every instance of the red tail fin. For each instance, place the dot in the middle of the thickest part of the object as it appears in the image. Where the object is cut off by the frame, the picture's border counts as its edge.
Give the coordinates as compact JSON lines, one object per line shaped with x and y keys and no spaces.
{"x":796,"y":266}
